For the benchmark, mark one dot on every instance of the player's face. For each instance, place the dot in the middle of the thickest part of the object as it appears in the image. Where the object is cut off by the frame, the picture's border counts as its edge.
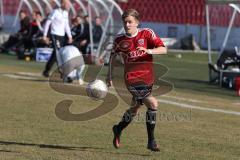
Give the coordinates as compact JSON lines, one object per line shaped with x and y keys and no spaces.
{"x":130,"y":25}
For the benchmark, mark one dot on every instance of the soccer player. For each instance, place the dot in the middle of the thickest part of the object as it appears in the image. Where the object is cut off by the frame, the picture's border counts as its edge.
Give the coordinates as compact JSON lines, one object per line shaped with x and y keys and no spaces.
{"x":137,"y":46}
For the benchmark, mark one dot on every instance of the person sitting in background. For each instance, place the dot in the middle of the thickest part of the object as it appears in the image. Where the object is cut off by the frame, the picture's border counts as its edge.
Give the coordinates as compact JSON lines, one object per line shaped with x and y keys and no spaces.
{"x":77,"y":29}
{"x":34,"y":30}
{"x":97,"y":30}
{"x":37,"y":37}
{"x":97,"y":34}
{"x":18,"y":37}
{"x":85,"y":37}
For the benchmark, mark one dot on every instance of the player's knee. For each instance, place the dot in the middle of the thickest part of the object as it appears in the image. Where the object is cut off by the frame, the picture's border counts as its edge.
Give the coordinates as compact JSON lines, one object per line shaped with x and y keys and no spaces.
{"x":155,"y":103}
{"x":152,"y":103}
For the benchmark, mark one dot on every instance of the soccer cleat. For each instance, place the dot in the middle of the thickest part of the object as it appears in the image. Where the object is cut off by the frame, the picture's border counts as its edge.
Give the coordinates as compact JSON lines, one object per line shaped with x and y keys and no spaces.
{"x":116,"y":138}
{"x":45,"y":74}
{"x":153,"y":146}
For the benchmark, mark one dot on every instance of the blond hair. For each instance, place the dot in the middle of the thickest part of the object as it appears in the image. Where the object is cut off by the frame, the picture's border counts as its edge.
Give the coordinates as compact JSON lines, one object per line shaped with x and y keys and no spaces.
{"x":131,"y":12}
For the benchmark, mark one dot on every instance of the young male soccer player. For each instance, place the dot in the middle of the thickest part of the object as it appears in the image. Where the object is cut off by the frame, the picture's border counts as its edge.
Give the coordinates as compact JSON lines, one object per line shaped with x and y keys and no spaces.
{"x":136,"y":47}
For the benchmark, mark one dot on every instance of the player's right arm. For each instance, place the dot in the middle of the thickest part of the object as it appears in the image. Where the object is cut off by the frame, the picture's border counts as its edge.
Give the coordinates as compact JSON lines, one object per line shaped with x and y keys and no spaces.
{"x":110,"y":69}
{"x":114,"y":52}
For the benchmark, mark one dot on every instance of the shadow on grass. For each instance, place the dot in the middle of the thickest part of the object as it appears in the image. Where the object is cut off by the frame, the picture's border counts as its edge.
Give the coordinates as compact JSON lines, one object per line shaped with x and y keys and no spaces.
{"x":70,"y":148}
{"x":47,"y":146}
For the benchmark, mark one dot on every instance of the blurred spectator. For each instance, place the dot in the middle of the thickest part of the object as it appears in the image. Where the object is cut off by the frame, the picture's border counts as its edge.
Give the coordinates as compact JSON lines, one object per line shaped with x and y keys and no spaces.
{"x":85,"y":37}
{"x":18,"y":37}
{"x":97,"y":34}
{"x":77,"y":28}
{"x":35,"y":28}
{"x":97,"y":30}
{"x":37,"y":38}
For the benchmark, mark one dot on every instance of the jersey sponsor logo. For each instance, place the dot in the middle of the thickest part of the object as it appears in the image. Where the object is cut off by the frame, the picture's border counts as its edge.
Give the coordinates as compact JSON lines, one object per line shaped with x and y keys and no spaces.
{"x":141,"y":42}
{"x":135,"y":54}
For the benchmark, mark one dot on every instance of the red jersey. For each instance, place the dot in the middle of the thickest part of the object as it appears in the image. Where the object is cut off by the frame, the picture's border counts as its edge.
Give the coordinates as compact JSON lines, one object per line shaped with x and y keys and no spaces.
{"x":138,"y":67}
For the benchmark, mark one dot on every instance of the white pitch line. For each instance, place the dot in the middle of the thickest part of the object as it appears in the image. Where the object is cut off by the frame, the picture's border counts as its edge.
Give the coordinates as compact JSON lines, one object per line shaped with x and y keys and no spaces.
{"x":30,"y":74}
{"x":19,"y":77}
{"x":237,"y":103}
{"x":183,"y":105}
{"x":183,"y":99}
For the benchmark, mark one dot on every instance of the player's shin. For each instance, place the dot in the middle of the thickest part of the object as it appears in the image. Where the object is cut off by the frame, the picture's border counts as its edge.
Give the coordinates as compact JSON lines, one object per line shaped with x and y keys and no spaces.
{"x":150,"y":123}
{"x":126,"y":120}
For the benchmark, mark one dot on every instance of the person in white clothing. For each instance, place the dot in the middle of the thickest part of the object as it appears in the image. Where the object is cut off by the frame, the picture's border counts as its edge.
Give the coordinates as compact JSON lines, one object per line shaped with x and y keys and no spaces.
{"x":71,"y":63}
{"x":59,"y":21}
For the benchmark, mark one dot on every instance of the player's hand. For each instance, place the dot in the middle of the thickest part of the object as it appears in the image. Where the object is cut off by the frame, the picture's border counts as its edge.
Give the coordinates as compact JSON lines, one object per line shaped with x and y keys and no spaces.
{"x":141,"y":49}
{"x":148,"y":51}
{"x":109,"y":82}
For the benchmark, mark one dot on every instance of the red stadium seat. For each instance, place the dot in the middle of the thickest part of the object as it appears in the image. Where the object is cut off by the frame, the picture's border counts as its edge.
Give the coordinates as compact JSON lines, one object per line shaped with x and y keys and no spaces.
{"x":170,"y":11}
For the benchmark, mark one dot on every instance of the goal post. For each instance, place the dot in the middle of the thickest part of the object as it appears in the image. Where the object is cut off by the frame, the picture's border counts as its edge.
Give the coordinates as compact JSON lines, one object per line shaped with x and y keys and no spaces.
{"x":223,"y":24}
{"x":223,"y":34}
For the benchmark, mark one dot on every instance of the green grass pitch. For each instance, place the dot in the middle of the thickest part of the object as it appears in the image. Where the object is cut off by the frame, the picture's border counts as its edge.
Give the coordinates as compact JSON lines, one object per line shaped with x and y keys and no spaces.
{"x":30,"y":130}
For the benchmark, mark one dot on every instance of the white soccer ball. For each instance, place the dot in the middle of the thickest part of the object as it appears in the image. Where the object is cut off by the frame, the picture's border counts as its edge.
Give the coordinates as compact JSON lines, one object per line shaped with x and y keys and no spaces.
{"x":97,"y":89}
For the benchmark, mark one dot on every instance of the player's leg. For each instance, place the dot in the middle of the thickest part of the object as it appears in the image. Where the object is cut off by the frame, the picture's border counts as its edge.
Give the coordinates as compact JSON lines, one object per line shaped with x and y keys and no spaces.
{"x":152,"y":104}
{"x":80,"y":69}
{"x":125,"y":121}
{"x":128,"y":115}
{"x":80,"y":74}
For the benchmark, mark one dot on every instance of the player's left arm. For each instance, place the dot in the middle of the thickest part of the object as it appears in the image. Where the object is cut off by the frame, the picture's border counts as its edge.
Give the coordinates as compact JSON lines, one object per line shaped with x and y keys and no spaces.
{"x":155,"y":44}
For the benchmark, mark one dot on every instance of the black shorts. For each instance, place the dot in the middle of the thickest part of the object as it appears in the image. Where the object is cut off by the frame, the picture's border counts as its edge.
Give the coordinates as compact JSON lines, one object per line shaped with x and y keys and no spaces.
{"x":140,"y":92}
